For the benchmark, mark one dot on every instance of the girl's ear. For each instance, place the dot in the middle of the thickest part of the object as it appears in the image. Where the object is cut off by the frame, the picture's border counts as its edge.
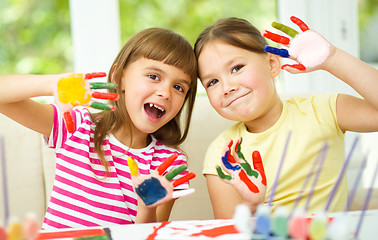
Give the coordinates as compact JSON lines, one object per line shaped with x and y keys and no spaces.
{"x":275,"y":64}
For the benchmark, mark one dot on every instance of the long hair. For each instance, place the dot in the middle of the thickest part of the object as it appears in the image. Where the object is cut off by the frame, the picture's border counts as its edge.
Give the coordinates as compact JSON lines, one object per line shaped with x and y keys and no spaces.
{"x":234,"y":31}
{"x":160,"y":45}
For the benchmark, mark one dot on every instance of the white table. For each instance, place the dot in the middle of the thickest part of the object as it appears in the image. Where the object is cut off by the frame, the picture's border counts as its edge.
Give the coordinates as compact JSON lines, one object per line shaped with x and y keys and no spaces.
{"x":368,"y":231}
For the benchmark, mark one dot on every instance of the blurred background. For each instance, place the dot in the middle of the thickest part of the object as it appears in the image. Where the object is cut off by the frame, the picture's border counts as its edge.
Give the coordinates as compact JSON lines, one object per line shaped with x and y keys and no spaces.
{"x":44,"y":37}
{"x":36,"y":34}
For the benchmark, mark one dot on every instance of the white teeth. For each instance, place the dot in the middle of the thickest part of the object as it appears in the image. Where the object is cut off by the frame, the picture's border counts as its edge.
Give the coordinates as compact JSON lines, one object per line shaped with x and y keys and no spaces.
{"x":161,"y":109}
{"x":153,"y":105}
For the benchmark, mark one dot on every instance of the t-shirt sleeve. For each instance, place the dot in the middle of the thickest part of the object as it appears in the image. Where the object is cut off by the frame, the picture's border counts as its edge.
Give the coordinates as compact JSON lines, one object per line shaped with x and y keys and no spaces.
{"x":325,"y":109}
{"x":213,"y":156}
{"x":59,"y":132}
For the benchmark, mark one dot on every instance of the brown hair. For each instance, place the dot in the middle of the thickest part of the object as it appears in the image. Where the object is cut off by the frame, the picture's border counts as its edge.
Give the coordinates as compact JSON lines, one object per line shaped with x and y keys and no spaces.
{"x":234,"y":31}
{"x":160,"y":45}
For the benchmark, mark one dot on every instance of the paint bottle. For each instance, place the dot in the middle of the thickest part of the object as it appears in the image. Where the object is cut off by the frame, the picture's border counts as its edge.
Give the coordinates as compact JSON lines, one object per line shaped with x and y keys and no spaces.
{"x":338,"y":229}
{"x":3,"y":233}
{"x":262,"y":220}
{"x":15,"y":230}
{"x":298,"y":225}
{"x":318,"y":227}
{"x":243,"y":220}
{"x":31,"y":226}
{"x":279,"y":224}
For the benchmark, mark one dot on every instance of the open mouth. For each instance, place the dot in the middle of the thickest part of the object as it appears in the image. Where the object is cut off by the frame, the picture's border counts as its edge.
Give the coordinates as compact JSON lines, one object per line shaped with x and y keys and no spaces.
{"x":154,"y":111}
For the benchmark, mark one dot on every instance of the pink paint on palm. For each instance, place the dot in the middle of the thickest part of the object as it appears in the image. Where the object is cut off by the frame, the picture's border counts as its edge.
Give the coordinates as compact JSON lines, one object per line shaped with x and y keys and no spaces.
{"x":303,"y":45}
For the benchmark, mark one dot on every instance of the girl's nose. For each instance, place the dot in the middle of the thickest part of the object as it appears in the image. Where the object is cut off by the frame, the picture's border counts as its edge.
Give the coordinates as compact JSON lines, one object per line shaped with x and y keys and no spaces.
{"x":229,"y":87}
{"x":164,"y":92}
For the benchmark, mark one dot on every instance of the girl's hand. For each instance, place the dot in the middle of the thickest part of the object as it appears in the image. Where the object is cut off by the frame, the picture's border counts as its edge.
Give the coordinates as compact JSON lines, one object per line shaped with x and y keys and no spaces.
{"x":74,"y":90}
{"x":155,"y":188}
{"x":308,"y":48}
{"x":250,"y":183}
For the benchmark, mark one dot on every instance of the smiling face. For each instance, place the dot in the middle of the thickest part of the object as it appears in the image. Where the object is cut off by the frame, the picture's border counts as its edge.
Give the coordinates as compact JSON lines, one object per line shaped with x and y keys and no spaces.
{"x":154,"y":93}
{"x":239,"y":83}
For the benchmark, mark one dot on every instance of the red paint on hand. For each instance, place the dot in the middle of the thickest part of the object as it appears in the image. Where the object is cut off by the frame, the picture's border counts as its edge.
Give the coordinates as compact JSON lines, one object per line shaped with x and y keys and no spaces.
{"x":94,"y":75}
{"x":183,"y":179}
{"x":251,"y":186}
{"x":167,"y":162}
{"x":300,"y":67}
{"x":276,"y":38}
{"x":300,"y":23}
{"x":258,"y":165}
{"x":230,"y":158}
{"x":68,"y":120}
{"x":106,"y":96}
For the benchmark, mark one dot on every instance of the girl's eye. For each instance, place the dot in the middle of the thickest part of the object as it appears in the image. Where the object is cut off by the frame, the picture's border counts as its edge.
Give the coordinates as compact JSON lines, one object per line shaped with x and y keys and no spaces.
{"x":179,"y":88}
{"x":212,"y":82}
{"x":237,"y":68}
{"x":154,"y":77}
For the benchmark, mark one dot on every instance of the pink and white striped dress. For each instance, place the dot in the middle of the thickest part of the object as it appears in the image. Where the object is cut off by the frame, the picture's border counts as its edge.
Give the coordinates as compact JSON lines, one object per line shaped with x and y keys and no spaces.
{"x":81,"y":196}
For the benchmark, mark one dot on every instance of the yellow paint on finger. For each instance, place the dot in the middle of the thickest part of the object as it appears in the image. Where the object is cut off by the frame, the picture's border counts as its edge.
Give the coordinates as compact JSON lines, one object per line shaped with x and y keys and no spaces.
{"x":133,"y":166}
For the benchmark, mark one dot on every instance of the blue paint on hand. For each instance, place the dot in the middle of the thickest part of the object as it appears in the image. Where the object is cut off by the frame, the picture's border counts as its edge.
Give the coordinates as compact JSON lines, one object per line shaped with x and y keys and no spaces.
{"x":151,"y":191}
{"x":277,"y":51}
{"x":227,"y":164}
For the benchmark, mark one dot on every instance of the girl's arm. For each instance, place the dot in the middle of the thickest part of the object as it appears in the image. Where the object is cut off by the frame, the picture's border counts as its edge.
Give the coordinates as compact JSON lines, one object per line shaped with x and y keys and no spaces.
{"x":164,"y":211}
{"x":145,"y":214}
{"x":313,"y":52}
{"x":15,"y":102}
{"x":355,"y":114}
{"x":224,"y":197}
{"x":155,"y":214}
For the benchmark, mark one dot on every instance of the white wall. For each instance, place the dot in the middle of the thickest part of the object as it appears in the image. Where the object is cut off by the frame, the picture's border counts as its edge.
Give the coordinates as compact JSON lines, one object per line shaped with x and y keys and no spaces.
{"x":337,"y":21}
{"x":95,"y":28}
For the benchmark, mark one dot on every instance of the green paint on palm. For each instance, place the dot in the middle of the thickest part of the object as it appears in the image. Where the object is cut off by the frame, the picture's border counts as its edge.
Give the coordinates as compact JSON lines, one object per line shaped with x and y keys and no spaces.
{"x":247,"y":168}
{"x":221,"y":174}
{"x":175,"y":172}
{"x":101,"y":106}
{"x":245,"y":165}
{"x":288,"y":30}
{"x":102,"y":85}
{"x":238,"y":150}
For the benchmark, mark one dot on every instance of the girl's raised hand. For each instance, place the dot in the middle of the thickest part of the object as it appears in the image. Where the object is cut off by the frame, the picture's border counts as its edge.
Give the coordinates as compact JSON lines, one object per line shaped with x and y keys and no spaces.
{"x":308,"y":48}
{"x":74,"y":90}
{"x":250,"y":183}
{"x":156,"y":188}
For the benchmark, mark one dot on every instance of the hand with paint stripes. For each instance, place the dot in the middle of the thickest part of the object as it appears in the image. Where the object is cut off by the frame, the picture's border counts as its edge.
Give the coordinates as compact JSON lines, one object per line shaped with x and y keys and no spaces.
{"x":249,"y":182}
{"x":74,"y":90}
{"x":156,"y":188}
{"x":308,"y":48}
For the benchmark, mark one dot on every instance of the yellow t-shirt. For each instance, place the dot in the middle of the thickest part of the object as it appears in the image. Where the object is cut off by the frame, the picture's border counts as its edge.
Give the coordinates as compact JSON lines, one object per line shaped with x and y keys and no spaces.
{"x":312,"y":121}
